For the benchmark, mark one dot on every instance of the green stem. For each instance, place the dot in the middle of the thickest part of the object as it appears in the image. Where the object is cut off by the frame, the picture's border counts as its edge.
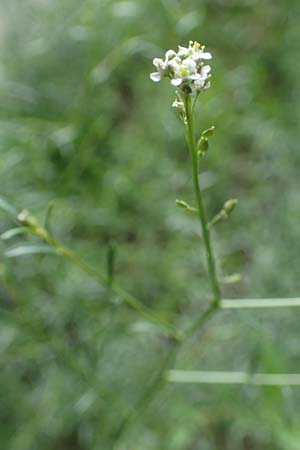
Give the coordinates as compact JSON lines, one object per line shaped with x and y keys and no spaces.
{"x":200,"y":320}
{"x":191,"y":139}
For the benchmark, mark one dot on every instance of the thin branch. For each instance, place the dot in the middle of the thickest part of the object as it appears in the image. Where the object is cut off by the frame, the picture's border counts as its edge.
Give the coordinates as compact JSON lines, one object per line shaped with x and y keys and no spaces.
{"x":200,"y":320}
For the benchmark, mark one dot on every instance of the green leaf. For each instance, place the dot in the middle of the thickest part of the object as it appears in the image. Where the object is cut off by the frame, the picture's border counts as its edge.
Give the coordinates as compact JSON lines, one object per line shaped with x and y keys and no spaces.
{"x":24,"y":250}
{"x":13,"y":232}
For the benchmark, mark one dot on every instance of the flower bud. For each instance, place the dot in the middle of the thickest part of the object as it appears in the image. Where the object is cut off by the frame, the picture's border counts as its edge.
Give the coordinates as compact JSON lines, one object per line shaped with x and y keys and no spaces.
{"x":182,"y":204}
{"x":27,"y":219}
{"x":208,"y":133}
{"x":202,"y":147}
{"x":229,"y":205}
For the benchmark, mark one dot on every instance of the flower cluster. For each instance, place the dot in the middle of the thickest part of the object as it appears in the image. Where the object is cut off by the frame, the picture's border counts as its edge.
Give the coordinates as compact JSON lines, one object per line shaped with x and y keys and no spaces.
{"x":185,"y":68}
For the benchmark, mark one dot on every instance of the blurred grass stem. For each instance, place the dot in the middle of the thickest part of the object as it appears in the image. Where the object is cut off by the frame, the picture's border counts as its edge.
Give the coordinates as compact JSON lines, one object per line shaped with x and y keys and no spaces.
{"x":258,"y":379}
{"x":260,"y":303}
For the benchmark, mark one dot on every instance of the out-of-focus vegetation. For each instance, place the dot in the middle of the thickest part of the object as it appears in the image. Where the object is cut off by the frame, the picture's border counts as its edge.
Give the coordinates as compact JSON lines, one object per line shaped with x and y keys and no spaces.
{"x":83,"y":126}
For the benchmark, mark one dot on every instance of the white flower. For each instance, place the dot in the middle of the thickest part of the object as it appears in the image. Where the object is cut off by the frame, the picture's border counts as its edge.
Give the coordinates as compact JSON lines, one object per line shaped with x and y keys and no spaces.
{"x":183,"y":52}
{"x":170,"y":54}
{"x":205,"y":55}
{"x":205,"y":70}
{"x":185,"y":68}
{"x":190,"y":65}
{"x":161,"y":65}
{"x":194,"y":50}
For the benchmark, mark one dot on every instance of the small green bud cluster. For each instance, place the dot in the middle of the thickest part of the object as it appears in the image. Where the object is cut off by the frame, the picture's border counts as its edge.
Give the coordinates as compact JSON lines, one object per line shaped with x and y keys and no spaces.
{"x":202,"y":144}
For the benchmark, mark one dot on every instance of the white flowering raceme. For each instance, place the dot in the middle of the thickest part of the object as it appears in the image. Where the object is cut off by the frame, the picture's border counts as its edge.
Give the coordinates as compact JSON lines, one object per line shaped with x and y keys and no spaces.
{"x":186,"y":68}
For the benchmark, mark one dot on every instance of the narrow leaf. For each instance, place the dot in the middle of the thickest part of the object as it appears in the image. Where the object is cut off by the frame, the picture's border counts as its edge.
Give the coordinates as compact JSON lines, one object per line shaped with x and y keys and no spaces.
{"x":13,"y":232}
{"x":111,"y":256}
{"x":24,"y":250}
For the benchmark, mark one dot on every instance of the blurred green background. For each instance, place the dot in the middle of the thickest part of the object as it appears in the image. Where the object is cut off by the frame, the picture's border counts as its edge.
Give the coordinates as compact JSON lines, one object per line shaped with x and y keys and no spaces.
{"x":82,"y":125}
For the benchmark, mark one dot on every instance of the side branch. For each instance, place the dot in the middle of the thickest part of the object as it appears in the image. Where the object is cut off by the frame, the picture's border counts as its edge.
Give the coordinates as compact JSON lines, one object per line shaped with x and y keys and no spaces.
{"x":35,"y":228}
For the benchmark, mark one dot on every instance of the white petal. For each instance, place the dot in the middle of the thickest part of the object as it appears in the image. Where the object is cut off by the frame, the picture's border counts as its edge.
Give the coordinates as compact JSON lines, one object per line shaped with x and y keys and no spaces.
{"x":197,"y":56}
{"x":195,"y":76}
{"x":182,"y":51}
{"x":170,"y":54}
{"x":205,"y":69}
{"x":176,"y":81}
{"x":206,"y":55}
{"x":155,"y":76}
{"x":190,"y":64}
{"x":174,"y":65}
{"x":157,"y":62}
{"x":199,"y":83}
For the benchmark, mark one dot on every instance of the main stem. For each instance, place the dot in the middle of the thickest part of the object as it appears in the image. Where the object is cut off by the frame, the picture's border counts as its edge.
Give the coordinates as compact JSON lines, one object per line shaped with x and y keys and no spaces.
{"x":191,"y":139}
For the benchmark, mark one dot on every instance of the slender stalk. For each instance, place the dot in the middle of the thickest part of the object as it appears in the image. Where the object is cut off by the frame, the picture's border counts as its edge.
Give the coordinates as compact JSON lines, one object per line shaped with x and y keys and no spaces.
{"x":200,"y":320}
{"x":191,"y":140}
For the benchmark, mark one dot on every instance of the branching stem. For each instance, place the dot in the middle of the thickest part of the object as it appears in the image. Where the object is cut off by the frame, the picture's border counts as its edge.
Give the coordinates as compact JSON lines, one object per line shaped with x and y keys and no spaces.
{"x":125,"y":296}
